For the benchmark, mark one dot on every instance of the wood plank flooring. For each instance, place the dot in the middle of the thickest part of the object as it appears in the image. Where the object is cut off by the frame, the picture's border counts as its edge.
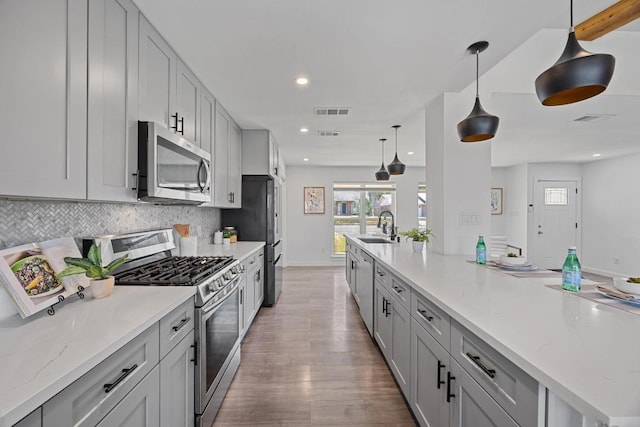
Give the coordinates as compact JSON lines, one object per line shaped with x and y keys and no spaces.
{"x":309,"y":361}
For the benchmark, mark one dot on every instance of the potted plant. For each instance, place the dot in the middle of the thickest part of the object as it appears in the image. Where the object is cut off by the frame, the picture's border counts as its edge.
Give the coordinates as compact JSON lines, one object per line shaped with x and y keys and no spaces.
{"x":101,"y":282}
{"x":419,"y":237}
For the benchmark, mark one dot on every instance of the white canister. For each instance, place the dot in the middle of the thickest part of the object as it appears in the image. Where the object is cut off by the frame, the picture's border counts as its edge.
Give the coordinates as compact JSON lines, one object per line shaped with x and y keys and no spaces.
{"x":217,"y":238}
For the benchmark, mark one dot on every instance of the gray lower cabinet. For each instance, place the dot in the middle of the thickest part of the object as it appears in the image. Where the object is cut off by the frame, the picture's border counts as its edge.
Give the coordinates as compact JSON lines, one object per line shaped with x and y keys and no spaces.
{"x":249,"y":299}
{"x":112,"y":139}
{"x":429,"y":367}
{"x":140,"y":408}
{"x":382,"y":326}
{"x":364,"y":289}
{"x":259,"y":282}
{"x":401,"y":346}
{"x":43,"y":82}
{"x":177,"y":385}
{"x":242,"y":314}
{"x":471,"y":405}
{"x":34,"y":419}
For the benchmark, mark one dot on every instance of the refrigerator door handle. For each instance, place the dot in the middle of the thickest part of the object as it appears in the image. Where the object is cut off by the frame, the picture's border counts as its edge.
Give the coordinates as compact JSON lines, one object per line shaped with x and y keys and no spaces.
{"x":276,"y":244}
{"x":277,"y":259}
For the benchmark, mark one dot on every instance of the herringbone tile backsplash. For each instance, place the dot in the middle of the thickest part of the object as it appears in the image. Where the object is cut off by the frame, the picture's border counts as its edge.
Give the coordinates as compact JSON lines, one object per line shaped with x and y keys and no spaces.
{"x":33,"y":221}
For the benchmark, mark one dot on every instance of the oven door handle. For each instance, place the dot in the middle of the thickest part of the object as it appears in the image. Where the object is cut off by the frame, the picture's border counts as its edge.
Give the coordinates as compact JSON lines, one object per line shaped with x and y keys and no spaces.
{"x":209,"y":307}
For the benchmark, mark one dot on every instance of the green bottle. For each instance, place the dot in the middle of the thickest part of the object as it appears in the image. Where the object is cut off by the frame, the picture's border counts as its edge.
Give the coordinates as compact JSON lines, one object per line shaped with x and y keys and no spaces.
{"x":481,"y":251}
{"x":571,"y":272}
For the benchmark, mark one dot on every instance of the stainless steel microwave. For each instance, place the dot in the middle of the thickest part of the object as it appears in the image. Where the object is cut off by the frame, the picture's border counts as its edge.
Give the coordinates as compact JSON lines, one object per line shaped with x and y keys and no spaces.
{"x":171,"y":170}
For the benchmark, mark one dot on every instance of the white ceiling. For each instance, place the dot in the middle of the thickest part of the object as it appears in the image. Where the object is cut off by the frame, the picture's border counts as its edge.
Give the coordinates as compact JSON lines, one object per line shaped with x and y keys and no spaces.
{"x":386,"y":61}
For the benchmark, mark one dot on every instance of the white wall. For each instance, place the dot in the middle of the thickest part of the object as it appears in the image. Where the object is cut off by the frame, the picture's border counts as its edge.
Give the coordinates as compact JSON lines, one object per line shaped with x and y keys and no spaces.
{"x":498,"y":181}
{"x":610,"y":212}
{"x":516,"y":206}
{"x":310,"y":237}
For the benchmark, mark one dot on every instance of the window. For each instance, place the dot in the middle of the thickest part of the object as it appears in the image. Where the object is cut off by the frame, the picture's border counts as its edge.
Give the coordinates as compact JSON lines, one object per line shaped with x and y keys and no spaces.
{"x":422,"y":206}
{"x":356,"y":208}
{"x":556,"y":196}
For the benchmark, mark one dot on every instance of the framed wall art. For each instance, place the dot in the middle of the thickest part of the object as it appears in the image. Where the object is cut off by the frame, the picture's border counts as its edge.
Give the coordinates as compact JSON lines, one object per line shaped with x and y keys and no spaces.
{"x":313,"y":200}
{"x":496,"y":201}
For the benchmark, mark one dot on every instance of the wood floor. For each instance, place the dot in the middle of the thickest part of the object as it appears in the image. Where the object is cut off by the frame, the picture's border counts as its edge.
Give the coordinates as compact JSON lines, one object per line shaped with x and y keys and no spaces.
{"x":309,"y":361}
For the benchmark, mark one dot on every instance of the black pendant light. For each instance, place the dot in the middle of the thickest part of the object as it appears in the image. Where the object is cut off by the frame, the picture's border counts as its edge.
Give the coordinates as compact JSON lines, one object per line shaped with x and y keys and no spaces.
{"x":577,"y":75}
{"x":478,"y":125}
{"x":382,"y":174}
{"x":396,"y":167}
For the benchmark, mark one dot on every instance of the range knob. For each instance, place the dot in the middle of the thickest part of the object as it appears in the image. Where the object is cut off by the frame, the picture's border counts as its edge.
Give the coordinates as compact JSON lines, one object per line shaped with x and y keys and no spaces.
{"x":227,"y":275}
{"x":212,"y":286}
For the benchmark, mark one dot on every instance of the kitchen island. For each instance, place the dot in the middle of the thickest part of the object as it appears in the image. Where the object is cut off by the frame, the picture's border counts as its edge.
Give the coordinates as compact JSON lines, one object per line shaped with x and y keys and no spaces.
{"x":584,"y":353}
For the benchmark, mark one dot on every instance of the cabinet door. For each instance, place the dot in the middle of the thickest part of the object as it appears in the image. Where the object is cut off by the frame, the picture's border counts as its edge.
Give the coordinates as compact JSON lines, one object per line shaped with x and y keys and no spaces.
{"x":43,"y":82}
{"x":259,"y":283}
{"x":207,"y":120}
{"x":221,"y":197}
{"x":235,"y":166}
{"x":157,"y":76}
{"x":429,"y":363}
{"x":188,"y":103}
{"x":113,"y":100}
{"x":140,"y":408}
{"x":34,"y":419}
{"x":249,"y":299}
{"x":472,"y":406}
{"x":176,"y":385}
{"x":365,"y":291}
{"x":382,"y":320}
{"x":241,"y":293}
{"x":401,"y":346}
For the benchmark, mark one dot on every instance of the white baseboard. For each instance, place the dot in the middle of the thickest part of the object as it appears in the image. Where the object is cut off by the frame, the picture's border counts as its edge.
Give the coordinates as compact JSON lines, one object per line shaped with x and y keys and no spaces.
{"x":600,"y":272}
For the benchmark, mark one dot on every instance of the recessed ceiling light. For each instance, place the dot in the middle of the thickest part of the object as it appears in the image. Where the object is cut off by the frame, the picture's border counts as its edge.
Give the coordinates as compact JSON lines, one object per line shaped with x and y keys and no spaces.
{"x":411,"y":153}
{"x":305,"y":159}
{"x":596,"y":155}
{"x":304,"y":130}
{"x":302,"y":81}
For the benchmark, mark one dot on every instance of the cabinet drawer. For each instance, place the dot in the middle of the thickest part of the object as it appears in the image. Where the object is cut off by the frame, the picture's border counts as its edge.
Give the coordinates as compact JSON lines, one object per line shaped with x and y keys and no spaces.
{"x":175,"y":326}
{"x":90,"y":398}
{"x":382,"y":275}
{"x":514,"y":390}
{"x":251,"y":262}
{"x":401,"y":292}
{"x":430,"y":317}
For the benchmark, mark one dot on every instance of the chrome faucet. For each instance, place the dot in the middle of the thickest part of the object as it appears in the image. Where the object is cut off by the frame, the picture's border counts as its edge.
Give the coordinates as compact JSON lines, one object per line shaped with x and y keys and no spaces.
{"x":392,"y":236}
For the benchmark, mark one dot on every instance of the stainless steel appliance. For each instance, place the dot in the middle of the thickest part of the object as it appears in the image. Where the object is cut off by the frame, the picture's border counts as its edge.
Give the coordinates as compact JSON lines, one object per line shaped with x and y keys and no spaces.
{"x":217,"y":304}
{"x":259,"y":219}
{"x":170,"y":168}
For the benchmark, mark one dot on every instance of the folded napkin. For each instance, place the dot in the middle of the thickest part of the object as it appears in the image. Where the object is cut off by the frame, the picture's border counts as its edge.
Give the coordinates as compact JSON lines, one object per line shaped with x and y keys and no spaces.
{"x":616,"y":293}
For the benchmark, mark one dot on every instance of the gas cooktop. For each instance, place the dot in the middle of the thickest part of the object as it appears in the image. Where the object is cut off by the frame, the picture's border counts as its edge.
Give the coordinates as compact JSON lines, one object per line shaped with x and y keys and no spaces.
{"x":174,"y":271}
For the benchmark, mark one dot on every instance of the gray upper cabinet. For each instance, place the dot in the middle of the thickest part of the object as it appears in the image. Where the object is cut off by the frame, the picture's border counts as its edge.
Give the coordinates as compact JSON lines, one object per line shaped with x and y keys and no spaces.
{"x":207,"y":121}
{"x":112,"y":100}
{"x":43,"y":106}
{"x":260,"y":155}
{"x":157,"y":76}
{"x":227,"y":158}
{"x":188,"y":90}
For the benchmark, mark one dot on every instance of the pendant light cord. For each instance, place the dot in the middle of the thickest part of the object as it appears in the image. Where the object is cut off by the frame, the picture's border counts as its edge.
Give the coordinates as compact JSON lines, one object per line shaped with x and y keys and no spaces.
{"x":396,"y":142}
{"x":571,"y":11}
{"x":478,"y":72}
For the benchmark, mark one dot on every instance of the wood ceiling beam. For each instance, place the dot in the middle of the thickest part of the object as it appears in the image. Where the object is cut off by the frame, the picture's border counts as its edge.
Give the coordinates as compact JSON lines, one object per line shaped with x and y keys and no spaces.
{"x":612,"y":18}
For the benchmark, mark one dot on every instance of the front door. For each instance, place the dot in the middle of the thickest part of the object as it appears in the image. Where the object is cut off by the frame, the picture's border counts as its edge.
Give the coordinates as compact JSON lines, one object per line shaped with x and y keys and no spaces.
{"x":555,"y":221}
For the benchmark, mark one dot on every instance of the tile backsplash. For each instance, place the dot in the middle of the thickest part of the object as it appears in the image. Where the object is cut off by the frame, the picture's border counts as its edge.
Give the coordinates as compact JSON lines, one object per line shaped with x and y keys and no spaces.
{"x":33,"y":221}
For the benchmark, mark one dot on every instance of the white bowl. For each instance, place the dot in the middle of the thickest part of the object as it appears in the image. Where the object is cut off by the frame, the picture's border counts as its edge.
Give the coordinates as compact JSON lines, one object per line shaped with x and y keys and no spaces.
{"x":512,"y":260}
{"x":622,"y":285}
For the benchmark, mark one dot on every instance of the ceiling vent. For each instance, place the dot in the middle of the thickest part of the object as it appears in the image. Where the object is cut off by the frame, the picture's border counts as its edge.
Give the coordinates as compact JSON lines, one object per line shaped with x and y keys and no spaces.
{"x":331,"y":111}
{"x":593,"y":117}
{"x":328,"y":133}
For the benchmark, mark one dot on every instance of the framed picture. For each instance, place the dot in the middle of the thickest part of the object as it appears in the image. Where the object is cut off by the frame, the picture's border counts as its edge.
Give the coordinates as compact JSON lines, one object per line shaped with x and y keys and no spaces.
{"x":313,"y":200}
{"x":496,"y":201}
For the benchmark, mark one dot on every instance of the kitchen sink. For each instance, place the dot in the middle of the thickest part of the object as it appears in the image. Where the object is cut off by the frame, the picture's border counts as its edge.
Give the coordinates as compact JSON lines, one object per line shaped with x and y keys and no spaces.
{"x":374,"y":240}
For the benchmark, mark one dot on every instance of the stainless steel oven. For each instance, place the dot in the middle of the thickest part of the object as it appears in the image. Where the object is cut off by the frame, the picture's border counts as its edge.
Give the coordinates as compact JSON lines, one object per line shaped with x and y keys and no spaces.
{"x":170,"y":168}
{"x":218,"y":355}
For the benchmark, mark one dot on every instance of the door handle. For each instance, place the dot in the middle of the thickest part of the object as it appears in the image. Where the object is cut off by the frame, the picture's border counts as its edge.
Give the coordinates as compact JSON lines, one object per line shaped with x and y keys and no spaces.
{"x":181,"y":121}
{"x":440,"y":380}
{"x":384,"y":305}
{"x":175,"y":124}
{"x":449,"y":379}
{"x":388,"y":303}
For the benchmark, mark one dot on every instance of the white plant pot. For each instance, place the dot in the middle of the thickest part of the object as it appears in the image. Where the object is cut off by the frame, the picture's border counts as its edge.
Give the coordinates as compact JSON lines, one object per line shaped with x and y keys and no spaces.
{"x":417,"y":246}
{"x":102,"y":288}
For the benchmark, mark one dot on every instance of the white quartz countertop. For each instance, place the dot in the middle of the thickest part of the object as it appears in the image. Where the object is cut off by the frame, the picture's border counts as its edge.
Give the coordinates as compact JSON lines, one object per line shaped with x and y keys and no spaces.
{"x":239,"y":250}
{"x":42,"y":355}
{"x":586,"y":353}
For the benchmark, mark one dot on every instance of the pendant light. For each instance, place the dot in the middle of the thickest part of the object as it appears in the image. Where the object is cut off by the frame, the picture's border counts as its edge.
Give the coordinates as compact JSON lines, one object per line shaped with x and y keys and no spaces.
{"x":382,"y":174}
{"x":478,"y":125}
{"x":577,"y":75}
{"x":396,"y":167}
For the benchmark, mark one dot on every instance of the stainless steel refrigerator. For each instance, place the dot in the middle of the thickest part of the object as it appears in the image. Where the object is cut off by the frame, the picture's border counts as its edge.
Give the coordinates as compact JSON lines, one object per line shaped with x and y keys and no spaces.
{"x":259,"y":220}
